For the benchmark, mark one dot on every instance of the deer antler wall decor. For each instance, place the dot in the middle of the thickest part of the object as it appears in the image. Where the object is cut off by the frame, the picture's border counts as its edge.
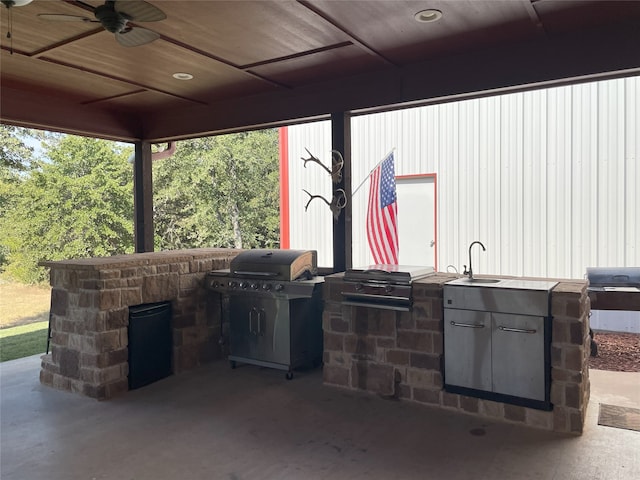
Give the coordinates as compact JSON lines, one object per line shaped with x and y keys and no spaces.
{"x":337,"y":162}
{"x":337,"y":203}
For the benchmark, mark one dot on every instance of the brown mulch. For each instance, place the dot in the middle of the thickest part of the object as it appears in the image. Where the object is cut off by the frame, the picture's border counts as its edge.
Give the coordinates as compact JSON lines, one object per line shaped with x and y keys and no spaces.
{"x":617,"y":352}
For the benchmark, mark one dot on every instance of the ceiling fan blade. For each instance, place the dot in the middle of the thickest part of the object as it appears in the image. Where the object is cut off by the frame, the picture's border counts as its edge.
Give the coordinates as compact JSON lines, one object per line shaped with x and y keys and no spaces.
{"x":64,"y":18}
{"x":136,"y":36}
{"x":139,"y":11}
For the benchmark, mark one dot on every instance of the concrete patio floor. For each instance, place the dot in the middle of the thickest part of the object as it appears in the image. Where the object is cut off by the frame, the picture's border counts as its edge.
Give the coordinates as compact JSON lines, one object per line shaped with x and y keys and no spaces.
{"x":251,"y":423}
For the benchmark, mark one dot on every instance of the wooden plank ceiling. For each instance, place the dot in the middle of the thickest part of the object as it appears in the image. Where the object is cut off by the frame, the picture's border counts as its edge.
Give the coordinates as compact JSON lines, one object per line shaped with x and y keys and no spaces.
{"x":270,"y":62}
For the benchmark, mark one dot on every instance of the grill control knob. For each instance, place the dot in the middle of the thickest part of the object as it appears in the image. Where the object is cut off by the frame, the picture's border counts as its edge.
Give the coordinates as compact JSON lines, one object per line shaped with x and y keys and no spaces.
{"x":388,"y":289}
{"x":359,"y":287}
{"x":244,"y":285}
{"x":279,"y":287}
{"x":233,"y":284}
{"x":266,"y":286}
{"x":254,"y":286}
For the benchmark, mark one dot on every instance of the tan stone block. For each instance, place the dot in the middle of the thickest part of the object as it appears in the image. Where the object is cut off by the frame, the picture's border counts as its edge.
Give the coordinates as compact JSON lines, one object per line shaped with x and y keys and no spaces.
{"x":335,"y":375}
{"x":110,"y":374}
{"x":406,"y":321}
{"x":61,"y":382}
{"x":115,"y":319}
{"x":333,"y":341}
{"x":491,"y":409}
{"x":338,"y":324}
{"x":574,"y":357}
{"x":576,"y":422}
{"x":158,"y":288}
{"x":116,"y":388}
{"x":557,"y":393}
{"x":110,"y":274}
{"x":424,"y":395}
{"x":69,"y":363}
{"x":77,"y":386}
{"x":46,"y":377}
{"x":59,"y":301}
{"x":573,"y":396}
{"x":450,"y":400}
{"x":340,"y":359}
{"x":539,"y":419}
{"x":385,"y":343}
{"x":398,"y":357}
{"x":88,"y":298}
{"x":415,"y":340}
{"x":89,"y":375}
{"x":421,"y":312}
{"x":360,"y":346}
{"x":469,"y":404}
{"x":131,"y":296}
{"x":420,"y":378}
{"x":190,"y":282}
{"x":560,"y":331}
{"x":75,"y":341}
{"x":106,"y":341}
{"x":425,"y":360}
{"x":373,"y":378}
{"x":514,"y":413}
{"x":109,"y":299}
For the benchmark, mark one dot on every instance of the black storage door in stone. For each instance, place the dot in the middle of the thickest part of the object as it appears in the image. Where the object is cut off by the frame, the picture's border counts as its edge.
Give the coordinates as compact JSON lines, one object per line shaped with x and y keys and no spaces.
{"x":150,"y":343}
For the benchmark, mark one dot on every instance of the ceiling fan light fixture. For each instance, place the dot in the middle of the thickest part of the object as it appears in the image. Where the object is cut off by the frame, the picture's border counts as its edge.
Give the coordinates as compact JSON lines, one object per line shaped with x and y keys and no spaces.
{"x":182,"y":76}
{"x":427,"y":16}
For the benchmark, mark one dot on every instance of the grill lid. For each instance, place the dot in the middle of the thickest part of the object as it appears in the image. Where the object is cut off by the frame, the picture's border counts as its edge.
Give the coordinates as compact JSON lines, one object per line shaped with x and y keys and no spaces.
{"x":392,"y":274}
{"x":614,"y":279}
{"x":286,"y":265}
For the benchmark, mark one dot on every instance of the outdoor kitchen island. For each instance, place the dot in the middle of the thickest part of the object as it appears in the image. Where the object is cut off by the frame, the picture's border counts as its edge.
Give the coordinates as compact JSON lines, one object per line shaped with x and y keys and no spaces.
{"x":91,"y":301}
{"x":400,"y":354}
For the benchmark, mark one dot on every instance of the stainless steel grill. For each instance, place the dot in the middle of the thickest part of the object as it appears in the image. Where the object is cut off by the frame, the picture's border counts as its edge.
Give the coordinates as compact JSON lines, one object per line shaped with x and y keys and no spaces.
{"x":382,"y":286}
{"x":272,"y":303}
{"x":609,"y":279}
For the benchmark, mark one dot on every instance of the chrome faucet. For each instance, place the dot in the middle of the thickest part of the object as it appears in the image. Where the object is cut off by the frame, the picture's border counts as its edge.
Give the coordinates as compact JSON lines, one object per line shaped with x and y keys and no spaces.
{"x":470,"y":271}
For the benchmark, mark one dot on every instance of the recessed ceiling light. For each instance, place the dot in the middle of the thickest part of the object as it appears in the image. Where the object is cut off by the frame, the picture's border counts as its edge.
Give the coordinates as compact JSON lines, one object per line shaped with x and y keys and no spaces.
{"x":429,"y":15}
{"x":182,"y":76}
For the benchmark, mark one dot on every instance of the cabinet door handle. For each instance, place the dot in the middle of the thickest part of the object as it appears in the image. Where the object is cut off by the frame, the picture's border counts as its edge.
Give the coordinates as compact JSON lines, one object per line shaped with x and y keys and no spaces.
{"x":467,"y":325}
{"x":516,"y":330}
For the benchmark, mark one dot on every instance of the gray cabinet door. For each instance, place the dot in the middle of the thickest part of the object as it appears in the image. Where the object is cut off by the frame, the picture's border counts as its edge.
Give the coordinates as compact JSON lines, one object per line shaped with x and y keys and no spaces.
{"x":467,"y":346}
{"x":518,"y":355}
{"x":259,"y":329}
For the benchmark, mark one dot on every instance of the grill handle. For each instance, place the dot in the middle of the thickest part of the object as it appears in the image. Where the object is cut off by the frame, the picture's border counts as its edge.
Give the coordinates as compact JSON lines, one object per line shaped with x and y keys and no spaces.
{"x":381,"y":306}
{"x":255,"y":274}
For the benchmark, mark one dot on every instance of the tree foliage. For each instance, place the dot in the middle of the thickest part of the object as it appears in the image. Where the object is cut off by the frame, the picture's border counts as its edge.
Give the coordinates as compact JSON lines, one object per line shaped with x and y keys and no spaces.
{"x":219,"y":192}
{"x":77,"y":204}
{"x":77,"y":200}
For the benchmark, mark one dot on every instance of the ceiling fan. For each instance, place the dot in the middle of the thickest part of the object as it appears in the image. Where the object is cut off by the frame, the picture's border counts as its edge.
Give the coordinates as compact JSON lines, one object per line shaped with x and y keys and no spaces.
{"x":115,"y":17}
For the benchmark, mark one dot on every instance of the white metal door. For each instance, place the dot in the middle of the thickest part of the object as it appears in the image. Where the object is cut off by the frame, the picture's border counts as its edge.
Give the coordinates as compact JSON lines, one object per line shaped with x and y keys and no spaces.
{"x":417,"y":220}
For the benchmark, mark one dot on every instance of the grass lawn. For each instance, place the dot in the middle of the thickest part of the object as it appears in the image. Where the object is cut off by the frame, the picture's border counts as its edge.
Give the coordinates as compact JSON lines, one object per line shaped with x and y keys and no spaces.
{"x":21,"y":304}
{"x":24,"y":320}
{"x":23,"y":341}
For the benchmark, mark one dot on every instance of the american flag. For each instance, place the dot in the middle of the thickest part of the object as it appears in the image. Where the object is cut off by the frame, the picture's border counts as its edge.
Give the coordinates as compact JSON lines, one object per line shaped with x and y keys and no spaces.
{"x":382,"y":214}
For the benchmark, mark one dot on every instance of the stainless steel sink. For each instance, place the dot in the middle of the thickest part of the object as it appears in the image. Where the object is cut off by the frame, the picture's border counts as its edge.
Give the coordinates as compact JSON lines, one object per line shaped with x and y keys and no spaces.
{"x":504,"y":295}
{"x":482,"y":280}
{"x":476,"y":281}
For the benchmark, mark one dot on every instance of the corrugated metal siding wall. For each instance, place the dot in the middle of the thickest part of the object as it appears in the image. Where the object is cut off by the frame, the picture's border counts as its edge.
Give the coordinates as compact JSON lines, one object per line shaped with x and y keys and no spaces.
{"x":547,"y":180}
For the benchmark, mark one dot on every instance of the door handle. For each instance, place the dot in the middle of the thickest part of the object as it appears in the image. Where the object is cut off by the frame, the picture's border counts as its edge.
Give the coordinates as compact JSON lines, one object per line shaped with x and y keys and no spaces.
{"x":516,"y":330}
{"x":254,"y":315}
{"x":467,"y":325}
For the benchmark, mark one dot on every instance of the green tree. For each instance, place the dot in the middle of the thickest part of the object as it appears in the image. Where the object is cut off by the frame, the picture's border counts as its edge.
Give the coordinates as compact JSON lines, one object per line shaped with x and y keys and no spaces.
{"x":77,"y":204}
{"x":219,"y":191}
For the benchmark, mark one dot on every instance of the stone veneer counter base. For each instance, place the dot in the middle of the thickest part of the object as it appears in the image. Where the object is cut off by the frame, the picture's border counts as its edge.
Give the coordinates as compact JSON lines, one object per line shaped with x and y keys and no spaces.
{"x":90,"y":300}
{"x":401,"y":354}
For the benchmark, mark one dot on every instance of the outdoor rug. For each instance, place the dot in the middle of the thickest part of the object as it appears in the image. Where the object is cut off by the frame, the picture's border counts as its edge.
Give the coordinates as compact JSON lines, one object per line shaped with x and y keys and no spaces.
{"x":619,"y":417}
